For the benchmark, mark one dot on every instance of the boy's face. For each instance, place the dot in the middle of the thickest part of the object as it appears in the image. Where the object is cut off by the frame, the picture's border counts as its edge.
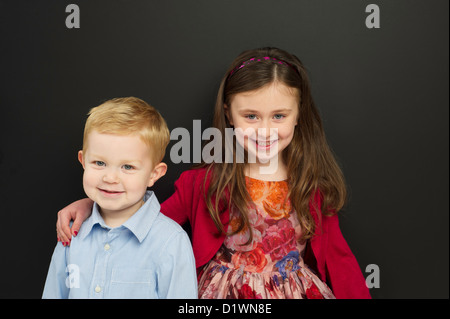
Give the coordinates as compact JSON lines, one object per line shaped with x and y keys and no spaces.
{"x":117,"y":171}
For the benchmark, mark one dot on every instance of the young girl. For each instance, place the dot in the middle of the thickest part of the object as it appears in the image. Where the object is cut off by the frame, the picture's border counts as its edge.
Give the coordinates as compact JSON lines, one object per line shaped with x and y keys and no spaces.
{"x":261,"y":230}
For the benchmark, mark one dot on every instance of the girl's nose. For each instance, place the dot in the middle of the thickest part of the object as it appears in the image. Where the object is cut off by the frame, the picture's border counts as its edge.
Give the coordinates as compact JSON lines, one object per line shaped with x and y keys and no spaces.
{"x":264,"y":129}
{"x":267,"y":131}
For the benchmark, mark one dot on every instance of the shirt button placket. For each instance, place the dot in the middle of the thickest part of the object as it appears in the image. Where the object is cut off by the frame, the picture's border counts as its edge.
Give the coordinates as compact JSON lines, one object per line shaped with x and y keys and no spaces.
{"x":100,"y":275}
{"x":98,"y":289}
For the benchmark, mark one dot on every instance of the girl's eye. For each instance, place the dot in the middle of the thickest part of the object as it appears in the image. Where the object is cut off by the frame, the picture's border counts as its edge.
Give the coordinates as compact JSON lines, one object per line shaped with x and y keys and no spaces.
{"x":278,"y":116}
{"x":99,"y":163}
{"x":127,"y":167}
{"x":251,"y":116}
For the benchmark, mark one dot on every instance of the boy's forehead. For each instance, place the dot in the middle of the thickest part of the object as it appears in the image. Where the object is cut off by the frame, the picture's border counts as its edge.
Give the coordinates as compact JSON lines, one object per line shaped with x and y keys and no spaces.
{"x":108,"y":142}
{"x":107,"y":137}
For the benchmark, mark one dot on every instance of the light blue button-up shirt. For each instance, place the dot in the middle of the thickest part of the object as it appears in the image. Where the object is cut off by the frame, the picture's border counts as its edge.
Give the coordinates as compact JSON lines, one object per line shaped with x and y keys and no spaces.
{"x":149,"y":256}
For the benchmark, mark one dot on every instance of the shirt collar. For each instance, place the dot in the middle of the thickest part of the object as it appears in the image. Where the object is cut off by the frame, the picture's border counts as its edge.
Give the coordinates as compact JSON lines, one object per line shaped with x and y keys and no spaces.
{"x":139,"y":224}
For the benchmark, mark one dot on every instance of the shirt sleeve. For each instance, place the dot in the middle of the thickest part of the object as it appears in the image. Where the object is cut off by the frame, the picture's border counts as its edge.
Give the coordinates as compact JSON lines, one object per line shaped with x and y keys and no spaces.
{"x":177,"y":277}
{"x":55,"y":284}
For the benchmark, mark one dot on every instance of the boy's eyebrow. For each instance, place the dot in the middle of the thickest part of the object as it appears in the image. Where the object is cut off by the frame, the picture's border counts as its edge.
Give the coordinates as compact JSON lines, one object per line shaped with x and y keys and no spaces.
{"x":100,"y":157}
{"x":91,"y":155}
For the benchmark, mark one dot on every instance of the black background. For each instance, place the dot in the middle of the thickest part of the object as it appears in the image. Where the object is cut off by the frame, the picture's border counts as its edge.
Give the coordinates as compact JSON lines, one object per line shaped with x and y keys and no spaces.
{"x":382,"y":93}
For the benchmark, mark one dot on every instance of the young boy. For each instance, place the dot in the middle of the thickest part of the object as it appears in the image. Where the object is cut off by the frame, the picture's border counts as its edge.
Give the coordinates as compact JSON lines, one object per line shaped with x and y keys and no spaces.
{"x":126,"y":248}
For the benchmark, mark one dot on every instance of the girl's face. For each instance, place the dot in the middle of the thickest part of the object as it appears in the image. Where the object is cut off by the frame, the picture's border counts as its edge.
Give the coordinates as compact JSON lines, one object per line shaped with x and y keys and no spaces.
{"x":264,"y":120}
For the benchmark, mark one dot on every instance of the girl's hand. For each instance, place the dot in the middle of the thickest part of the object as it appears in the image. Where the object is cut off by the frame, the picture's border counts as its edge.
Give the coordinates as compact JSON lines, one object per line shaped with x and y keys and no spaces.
{"x":78,"y":211}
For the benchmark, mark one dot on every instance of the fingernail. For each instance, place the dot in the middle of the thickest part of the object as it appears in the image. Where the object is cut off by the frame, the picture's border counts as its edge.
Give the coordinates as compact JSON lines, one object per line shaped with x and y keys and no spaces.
{"x":75,"y":232}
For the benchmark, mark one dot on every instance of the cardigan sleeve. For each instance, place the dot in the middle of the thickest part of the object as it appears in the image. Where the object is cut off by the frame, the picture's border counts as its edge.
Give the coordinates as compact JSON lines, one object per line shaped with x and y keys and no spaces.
{"x":188,"y":204}
{"x":344,"y":274}
{"x":177,"y":205}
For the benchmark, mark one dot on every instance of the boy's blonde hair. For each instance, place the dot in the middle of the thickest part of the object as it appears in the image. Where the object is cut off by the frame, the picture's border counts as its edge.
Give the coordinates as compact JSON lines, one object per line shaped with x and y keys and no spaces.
{"x":128,"y":116}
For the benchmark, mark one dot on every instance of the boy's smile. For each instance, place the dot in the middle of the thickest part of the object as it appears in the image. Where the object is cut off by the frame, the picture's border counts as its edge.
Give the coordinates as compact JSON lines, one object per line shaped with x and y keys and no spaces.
{"x":110,"y":193}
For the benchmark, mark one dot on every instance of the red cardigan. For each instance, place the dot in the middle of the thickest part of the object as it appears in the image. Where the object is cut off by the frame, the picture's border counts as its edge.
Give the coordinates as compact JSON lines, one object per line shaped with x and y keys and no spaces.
{"x":327,"y":252}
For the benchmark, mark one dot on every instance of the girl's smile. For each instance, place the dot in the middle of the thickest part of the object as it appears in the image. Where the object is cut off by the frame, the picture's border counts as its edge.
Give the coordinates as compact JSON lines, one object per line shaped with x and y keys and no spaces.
{"x":264,"y":145}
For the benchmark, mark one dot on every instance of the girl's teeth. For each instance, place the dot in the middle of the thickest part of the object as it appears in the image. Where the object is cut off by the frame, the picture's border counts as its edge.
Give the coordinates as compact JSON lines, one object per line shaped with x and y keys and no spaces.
{"x":264,"y":143}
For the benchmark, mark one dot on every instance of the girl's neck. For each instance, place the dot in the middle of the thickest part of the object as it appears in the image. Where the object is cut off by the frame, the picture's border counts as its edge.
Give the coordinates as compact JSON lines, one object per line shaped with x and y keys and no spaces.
{"x":265,"y":172}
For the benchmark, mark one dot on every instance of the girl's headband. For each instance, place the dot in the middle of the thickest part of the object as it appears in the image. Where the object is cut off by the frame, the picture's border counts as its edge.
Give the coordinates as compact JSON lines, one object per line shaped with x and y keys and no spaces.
{"x":266,"y":58}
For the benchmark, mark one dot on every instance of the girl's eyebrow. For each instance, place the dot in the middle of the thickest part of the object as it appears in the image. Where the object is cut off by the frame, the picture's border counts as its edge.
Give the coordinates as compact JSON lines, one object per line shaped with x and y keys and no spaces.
{"x":281,"y":110}
{"x":248,"y":110}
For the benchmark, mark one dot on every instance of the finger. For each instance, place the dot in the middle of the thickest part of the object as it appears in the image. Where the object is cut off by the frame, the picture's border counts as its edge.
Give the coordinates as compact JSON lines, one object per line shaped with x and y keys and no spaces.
{"x":76,"y":226}
{"x":63,"y":242}
{"x":63,"y":229}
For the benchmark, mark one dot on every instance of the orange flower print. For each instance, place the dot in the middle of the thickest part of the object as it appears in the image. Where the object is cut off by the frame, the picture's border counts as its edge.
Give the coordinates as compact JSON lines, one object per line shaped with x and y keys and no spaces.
{"x":253,"y":261}
{"x":276,"y":204}
{"x":272,"y":196}
{"x":233,"y":225}
{"x":255,"y":188}
{"x":276,"y":212}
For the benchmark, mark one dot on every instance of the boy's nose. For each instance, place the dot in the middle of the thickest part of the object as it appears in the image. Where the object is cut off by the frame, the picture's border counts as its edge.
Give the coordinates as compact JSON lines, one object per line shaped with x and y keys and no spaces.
{"x":110,"y":177}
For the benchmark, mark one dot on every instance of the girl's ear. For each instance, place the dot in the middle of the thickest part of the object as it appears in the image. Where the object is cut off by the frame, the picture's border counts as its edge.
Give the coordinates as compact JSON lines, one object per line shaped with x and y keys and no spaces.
{"x":158,"y":172}
{"x":80,"y":158}
{"x":228,"y":114}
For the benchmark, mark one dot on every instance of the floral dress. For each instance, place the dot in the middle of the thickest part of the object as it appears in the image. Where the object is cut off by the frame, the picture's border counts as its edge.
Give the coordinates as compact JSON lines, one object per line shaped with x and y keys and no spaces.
{"x":271,"y":265}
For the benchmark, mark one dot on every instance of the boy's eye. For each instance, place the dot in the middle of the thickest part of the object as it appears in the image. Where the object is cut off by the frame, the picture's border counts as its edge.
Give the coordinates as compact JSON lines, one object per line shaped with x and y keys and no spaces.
{"x":99,"y":163}
{"x":127,"y":167}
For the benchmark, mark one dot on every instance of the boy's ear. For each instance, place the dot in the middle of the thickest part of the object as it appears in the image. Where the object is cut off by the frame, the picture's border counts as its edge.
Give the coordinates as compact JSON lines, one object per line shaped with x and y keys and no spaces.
{"x":80,"y":158}
{"x":158,"y":172}
{"x":227,"y":114}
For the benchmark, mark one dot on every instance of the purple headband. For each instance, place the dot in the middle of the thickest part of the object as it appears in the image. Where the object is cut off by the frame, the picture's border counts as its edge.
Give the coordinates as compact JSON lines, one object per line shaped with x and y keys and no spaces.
{"x":266,"y":58}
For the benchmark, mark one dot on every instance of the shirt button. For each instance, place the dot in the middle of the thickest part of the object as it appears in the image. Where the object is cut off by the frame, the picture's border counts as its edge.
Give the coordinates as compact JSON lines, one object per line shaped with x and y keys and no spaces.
{"x":107,"y":247}
{"x":98,"y":289}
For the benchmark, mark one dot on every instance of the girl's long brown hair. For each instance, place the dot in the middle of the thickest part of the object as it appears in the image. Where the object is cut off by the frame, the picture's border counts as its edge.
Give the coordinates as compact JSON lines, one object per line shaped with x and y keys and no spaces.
{"x":310,"y":162}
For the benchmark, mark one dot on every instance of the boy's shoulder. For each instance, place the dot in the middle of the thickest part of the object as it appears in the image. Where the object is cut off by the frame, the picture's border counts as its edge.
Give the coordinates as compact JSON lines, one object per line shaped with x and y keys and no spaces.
{"x":165,"y":238}
{"x":165,"y":226}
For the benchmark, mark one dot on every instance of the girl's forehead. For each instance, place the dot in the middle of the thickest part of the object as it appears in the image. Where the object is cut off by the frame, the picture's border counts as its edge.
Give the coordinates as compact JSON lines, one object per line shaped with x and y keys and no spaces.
{"x":276,"y":94}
